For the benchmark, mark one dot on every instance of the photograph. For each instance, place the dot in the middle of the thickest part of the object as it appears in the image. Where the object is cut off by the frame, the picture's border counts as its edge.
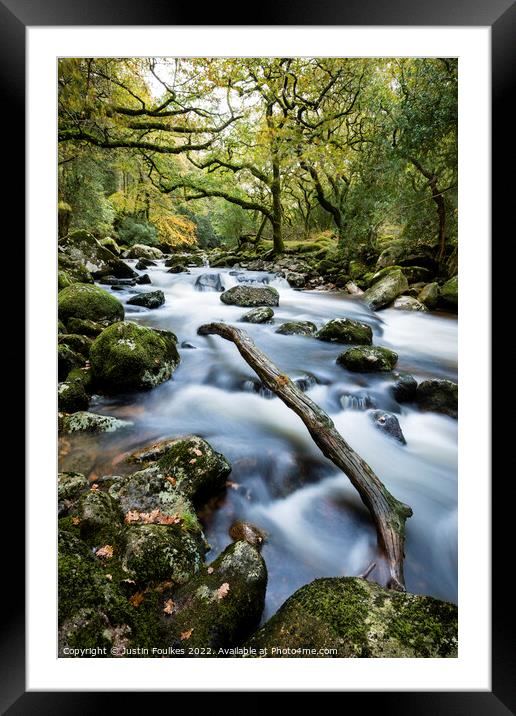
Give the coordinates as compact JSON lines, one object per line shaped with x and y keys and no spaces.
{"x":257,"y":357}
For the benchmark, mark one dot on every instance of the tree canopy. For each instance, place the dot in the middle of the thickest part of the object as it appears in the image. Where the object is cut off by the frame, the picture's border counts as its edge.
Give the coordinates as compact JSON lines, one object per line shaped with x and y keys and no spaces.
{"x":209,"y":149}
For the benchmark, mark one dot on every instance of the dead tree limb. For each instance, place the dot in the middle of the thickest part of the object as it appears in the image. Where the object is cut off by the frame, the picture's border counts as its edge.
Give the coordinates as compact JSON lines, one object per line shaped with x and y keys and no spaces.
{"x":389,"y":514}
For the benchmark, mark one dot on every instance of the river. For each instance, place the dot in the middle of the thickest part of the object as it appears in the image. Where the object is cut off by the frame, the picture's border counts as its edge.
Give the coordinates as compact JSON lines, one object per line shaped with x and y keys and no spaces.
{"x":315,"y":522}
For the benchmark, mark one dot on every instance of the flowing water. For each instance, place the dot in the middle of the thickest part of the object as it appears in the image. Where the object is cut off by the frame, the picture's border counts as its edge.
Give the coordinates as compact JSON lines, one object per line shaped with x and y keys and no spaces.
{"x":315,"y":522}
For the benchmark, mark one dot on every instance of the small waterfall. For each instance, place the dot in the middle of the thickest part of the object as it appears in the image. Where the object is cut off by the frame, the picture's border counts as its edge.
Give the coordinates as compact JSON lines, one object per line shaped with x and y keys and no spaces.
{"x":357,"y":401}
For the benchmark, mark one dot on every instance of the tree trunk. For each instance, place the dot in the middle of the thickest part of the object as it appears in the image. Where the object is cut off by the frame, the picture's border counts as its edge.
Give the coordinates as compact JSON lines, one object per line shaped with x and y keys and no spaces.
{"x":441,"y":213}
{"x":277,"y":233}
{"x":388,"y":513}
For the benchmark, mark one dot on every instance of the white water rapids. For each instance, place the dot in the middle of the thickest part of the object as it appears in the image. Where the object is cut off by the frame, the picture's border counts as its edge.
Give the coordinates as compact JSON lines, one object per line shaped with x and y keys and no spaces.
{"x":314,"y":519}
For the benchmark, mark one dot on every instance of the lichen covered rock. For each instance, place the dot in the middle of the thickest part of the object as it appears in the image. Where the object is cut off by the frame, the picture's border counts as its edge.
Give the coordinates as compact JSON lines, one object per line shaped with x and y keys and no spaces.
{"x":368,"y":359}
{"x":84,"y":327}
{"x":219,"y":608}
{"x":439,"y":395}
{"x":158,"y":553}
{"x":67,"y":360}
{"x":429,"y":295}
{"x":358,"y":619}
{"x":85,"y":422}
{"x":141,"y":251}
{"x":263,"y":314}
{"x":128,"y":357}
{"x":346,"y":330}
{"x":70,"y":485}
{"x":79,"y":344}
{"x":385,"y":290}
{"x":297,"y":328}
{"x":72,"y":396}
{"x":100,"y":518}
{"x":409,"y":303}
{"x":250,"y":296}
{"x":83,"y":248}
{"x":89,"y":302}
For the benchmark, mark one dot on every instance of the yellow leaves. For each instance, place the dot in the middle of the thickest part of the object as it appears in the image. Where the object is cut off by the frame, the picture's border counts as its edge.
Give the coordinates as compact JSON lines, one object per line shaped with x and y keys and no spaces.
{"x":223,"y":590}
{"x":76,"y":520}
{"x":169,"y":606}
{"x":186,"y":634}
{"x":156,"y":517}
{"x":137,"y":599}
{"x":105,"y":552}
{"x":173,"y":229}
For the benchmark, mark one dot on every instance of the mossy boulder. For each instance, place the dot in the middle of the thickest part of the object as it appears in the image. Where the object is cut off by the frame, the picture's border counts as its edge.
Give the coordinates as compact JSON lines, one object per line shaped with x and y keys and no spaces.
{"x":385,"y":290}
{"x":85,"y":327}
{"x":111,"y":244}
{"x":127,"y":357}
{"x":404,"y":388}
{"x":198,"y":470}
{"x":72,"y":396}
{"x":368,"y":360}
{"x":358,"y":619}
{"x":450,"y":292}
{"x":429,"y":295}
{"x":73,"y":270}
{"x":144,"y":264}
{"x":85,"y":422}
{"x":439,"y":395}
{"x":67,"y":360}
{"x":250,"y":296}
{"x":100,"y":518}
{"x":79,"y":344}
{"x":61,"y":328}
{"x":391,"y":255}
{"x":151,"y":299}
{"x":141,"y":251}
{"x":297,"y":328}
{"x":377,"y":275}
{"x":387,"y":423}
{"x":158,"y":553}
{"x":70,"y":485}
{"x":409,"y":303}
{"x":416,"y":273}
{"x":263,"y":314}
{"x":63,"y":280}
{"x":151,"y":453}
{"x":219,"y":609}
{"x":83,"y":248}
{"x":356,"y":269}
{"x":88,"y":302}
{"x":346,"y":330}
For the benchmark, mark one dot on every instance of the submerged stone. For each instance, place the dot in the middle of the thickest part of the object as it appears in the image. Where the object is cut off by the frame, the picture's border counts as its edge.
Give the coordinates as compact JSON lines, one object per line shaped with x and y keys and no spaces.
{"x":296,"y":328}
{"x":152,"y":299}
{"x":368,"y":359}
{"x":388,"y":423}
{"x":250,"y":296}
{"x":263,"y":314}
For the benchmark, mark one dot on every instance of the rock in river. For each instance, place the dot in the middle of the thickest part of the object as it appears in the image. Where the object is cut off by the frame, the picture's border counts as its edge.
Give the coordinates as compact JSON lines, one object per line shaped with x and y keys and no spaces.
{"x":404,"y":388}
{"x":141,"y":251}
{"x":409,"y":303}
{"x":368,"y":360}
{"x":221,"y":606}
{"x":388,"y":423}
{"x":71,"y":396}
{"x":127,"y":357}
{"x":89,"y":302}
{"x":208,"y":282}
{"x":151,"y":299}
{"x":83,"y":247}
{"x":429,"y":295}
{"x":359,"y":619}
{"x":385,"y":290}
{"x":84,"y":422}
{"x":345,"y":330}
{"x":250,"y":296}
{"x":297,"y":328}
{"x":450,"y":291}
{"x":439,"y":395}
{"x":263,"y":314}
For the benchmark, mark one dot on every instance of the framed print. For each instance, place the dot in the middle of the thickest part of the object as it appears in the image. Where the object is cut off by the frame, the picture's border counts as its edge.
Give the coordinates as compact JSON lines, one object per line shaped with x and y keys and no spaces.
{"x":244,"y":245}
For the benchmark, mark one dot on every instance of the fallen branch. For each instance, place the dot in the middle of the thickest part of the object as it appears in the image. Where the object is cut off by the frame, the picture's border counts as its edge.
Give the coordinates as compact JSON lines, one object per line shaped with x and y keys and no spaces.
{"x":388,"y":513}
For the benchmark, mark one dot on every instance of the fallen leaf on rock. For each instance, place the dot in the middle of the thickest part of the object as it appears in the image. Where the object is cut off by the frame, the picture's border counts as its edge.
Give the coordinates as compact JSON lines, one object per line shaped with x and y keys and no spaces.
{"x":94,"y":488}
{"x":223,"y":590}
{"x":172,"y":480}
{"x":169,"y":606}
{"x":197,"y":452}
{"x":186,"y":634}
{"x":131,"y":516}
{"x":210,"y":570}
{"x":76,"y":520}
{"x":137,"y":599}
{"x":105,"y":551}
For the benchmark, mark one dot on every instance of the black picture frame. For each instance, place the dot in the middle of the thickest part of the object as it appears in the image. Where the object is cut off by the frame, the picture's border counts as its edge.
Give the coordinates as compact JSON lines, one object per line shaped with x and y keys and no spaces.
{"x":500,"y":15}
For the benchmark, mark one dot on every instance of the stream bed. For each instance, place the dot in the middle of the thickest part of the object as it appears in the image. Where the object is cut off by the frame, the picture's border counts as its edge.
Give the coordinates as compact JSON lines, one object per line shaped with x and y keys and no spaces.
{"x":315,"y":522}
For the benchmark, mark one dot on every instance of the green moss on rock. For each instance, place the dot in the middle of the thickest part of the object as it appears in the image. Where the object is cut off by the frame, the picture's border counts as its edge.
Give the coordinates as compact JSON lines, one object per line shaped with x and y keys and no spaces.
{"x":250,"y":296}
{"x":429,"y":295}
{"x":221,"y":608}
{"x":70,"y":485}
{"x":439,"y":395}
{"x":345,"y":330}
{"x":263,"y":314}
{"x":369,"y":359}
{"x":296,"y":328}
{"x":384,"y":291}
{"x":71,"y":396}
{"x":450,"y":292}
{"x":79,"y":344}
{"x":359,"y":619}
{"x":85,"y":327}
{"x":67,"y":360}
{"x":89,"y":302}
{"x":128,"y":357}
